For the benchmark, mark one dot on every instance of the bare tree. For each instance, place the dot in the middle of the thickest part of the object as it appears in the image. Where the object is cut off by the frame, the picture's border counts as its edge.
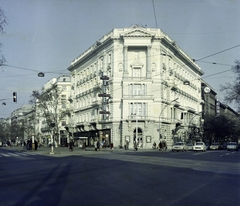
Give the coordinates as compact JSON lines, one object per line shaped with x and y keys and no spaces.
{"x":232,"y":90}
{"x":3,"y":23}
{"x":51,"y":106}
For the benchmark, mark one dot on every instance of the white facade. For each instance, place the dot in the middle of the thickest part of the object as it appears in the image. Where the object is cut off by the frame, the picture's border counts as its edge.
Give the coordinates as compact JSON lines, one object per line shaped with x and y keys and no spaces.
{"x":147,"y":72}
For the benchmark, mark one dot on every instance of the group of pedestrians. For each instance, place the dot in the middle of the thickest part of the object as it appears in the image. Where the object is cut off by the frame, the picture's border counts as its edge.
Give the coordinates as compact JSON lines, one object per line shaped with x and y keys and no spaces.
{"x":162,"y":145}
{"x":29,"y":144}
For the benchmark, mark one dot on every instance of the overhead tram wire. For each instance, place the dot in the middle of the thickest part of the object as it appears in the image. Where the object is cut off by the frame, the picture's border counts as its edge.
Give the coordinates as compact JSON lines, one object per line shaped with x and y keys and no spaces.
{"x":186,"y":64}
{"x":216,"y":53}
{"x":23,"y":68}
{"x":154,"y":14}
{"x":215,"y":63}
{"x":149,"y":55}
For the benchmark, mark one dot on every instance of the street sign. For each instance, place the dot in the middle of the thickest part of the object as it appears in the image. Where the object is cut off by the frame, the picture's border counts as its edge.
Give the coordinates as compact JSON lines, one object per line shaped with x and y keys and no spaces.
{"x":104,"y":95}
{"x":104,"y":112}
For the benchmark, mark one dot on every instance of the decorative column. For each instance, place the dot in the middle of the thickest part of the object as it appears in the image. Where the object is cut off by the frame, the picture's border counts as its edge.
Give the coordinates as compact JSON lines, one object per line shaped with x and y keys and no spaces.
{"x":125,"y":59}
{"x":148,"y":66}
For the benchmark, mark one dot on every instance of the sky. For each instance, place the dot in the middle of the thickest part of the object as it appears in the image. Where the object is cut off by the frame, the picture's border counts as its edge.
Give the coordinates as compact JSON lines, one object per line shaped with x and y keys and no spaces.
{"x":46,"y":35}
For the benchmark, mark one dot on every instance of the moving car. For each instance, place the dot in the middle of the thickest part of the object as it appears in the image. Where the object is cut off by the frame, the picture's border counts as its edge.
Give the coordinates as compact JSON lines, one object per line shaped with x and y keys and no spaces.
{"x":199,"y":146}
{"x":180,"y":146}
{"x":215,"y":146}
{"x":232,"y":146}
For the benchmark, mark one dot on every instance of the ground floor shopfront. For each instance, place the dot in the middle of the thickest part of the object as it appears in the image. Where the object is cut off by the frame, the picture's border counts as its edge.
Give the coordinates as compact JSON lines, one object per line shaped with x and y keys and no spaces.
{"x":144,"y":132}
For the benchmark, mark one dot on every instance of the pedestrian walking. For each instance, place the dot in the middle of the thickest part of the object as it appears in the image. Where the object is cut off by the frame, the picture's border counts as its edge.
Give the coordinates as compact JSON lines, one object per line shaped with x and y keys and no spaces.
{"x":127,"y":144}
{"x":160,"y":145}
{"x":135,"y":145}
{"x":36,"y":144}
{"x":95,"y":145}
{"x":71,"y":146}
{"x":154,"y":145}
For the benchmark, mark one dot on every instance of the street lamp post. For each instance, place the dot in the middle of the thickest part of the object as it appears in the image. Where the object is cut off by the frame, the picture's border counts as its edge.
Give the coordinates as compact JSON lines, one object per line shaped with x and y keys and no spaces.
{"x":159,"y":130}
{"x":191,"y":121}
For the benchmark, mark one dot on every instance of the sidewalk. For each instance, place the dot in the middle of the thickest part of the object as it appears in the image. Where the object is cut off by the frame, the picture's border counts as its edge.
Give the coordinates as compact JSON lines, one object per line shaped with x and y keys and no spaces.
{"x":64,"y":151}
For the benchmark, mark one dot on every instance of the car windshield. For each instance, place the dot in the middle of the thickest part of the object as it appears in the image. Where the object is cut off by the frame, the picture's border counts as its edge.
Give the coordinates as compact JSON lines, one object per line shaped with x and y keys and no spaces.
{"x":179,"y":143}
{"x":199,"y":143}
{"x":215,"y":143}
{"x":232,"y":143}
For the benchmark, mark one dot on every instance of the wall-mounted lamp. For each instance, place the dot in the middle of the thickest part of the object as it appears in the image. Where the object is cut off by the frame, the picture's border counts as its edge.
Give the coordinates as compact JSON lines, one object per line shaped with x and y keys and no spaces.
{"x":186,"y":82}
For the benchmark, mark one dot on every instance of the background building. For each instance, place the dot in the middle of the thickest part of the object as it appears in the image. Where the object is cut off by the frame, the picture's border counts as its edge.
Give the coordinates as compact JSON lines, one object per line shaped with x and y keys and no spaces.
{"x":53,"y":110}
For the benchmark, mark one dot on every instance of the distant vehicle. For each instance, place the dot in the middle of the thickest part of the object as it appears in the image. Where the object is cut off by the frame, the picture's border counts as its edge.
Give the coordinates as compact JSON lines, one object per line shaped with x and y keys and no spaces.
{"x":215,"y":146}
{"x":190,"y":146}
{"x":180,"y":146}
{"x":232,"y":146}
{"x":223,"y":145}
{"x":199,"y":146}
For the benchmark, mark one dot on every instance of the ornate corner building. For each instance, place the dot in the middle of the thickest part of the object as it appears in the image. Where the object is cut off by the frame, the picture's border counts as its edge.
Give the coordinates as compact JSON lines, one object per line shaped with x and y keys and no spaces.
{"x":137,"y":84}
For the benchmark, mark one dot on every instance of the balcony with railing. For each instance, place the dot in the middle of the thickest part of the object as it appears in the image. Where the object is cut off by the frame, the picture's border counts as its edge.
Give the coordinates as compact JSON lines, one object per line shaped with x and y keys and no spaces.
{"x":142,"y":97}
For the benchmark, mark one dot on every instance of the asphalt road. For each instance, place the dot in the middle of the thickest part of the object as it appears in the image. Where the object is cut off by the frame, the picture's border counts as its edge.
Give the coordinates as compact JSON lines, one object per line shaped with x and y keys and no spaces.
{"x":119,"y":177}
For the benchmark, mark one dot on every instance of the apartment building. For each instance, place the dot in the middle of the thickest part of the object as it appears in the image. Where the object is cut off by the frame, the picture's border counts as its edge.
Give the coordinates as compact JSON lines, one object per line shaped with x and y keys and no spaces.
{"x":135,"y":84}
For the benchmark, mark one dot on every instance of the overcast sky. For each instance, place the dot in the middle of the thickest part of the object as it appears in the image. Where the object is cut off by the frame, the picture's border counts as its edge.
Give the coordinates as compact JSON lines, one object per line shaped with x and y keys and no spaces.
{"x":46,"y":35}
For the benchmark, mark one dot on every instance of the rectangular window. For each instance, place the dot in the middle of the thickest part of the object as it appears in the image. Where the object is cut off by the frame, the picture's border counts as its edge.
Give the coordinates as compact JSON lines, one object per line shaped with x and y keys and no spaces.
{"x":63,"y":123}
{"x":109,"y":58}
{"x":137,"y":89}
{"x":138,"y":108}
{"x":137,"y":72}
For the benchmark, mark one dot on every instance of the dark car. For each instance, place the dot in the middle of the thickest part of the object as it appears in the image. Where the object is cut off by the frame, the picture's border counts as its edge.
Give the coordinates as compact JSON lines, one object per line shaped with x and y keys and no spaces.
{"x":223,"y":145}
{"x":207,"y":146}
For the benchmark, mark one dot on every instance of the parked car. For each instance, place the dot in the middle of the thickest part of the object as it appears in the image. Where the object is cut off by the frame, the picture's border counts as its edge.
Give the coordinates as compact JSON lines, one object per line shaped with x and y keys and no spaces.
{"x":180,"y":146}
{"x":190,"y":146}
{"x":232,"y":146}
{"x":199,"y":146}
{"x":223,"y":145}
{"x":215,"y":146}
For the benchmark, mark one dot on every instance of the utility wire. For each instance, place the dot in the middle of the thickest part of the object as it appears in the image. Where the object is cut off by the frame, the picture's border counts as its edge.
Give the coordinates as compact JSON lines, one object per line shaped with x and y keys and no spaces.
{"x":154,"y":14}
{"x":216,"y":53}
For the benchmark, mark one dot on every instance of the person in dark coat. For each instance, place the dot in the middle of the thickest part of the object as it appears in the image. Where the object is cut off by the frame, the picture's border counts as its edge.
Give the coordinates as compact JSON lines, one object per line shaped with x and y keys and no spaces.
{"x":71,"y":146}
{"x":135,"y":145}
{"x":36,"y":144}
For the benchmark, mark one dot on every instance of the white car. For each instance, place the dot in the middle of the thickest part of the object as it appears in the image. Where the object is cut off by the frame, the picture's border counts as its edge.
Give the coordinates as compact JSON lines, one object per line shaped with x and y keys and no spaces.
{"x":215,"y":146}
{"x":232,"y":146}
{"x":180,"y":146}
{"x":190,"y":146}
{"x":199,"y":146}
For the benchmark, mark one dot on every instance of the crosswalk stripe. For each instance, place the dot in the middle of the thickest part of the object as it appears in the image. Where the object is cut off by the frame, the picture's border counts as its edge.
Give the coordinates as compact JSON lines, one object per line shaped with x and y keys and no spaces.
{"x":22,"y":154}
{"x":5,"y":155}
{"x":16,"y":154}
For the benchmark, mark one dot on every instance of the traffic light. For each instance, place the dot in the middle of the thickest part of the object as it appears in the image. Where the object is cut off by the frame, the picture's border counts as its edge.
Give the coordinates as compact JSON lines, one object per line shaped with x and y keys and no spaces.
{"x":14,"y":96}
